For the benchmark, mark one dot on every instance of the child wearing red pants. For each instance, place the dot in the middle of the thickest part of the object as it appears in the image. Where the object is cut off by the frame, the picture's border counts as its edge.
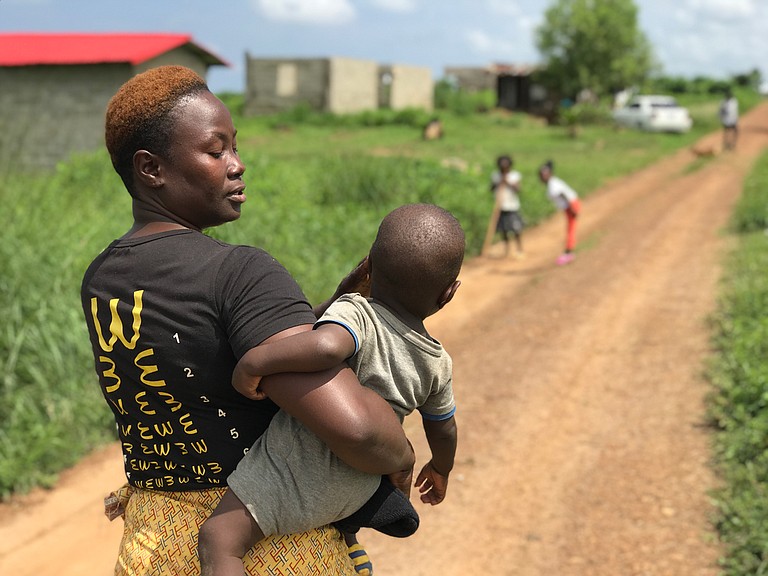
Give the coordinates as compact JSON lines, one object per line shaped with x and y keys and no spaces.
{"x":564,"y":198}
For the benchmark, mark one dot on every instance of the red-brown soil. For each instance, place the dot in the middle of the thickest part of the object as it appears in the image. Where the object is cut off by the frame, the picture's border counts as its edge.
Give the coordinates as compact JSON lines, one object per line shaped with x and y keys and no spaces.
{"x":583,"y":444}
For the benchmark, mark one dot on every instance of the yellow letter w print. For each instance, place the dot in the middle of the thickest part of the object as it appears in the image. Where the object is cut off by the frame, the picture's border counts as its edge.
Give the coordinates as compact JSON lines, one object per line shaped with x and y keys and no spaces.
{"x":116,"y":324}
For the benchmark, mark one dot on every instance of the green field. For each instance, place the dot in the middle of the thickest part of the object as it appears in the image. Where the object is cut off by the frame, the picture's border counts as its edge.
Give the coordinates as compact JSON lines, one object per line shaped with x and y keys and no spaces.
{"x":317,"y":187}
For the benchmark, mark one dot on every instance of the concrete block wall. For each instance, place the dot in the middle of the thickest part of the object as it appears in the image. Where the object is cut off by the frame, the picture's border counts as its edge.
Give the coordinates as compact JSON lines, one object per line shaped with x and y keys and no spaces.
{"x":275,"y":85}
{"x":337,"y":85}
{"x":49,"y":112}
{"x":353,"y":86}
{"x":411,"y":87}
{"x":178,"y":56}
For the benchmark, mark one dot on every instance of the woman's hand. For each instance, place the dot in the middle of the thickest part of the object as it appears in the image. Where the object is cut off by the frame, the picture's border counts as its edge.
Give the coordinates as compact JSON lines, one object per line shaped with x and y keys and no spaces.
{"x":403,"y":479}
{"x":358,"y":280}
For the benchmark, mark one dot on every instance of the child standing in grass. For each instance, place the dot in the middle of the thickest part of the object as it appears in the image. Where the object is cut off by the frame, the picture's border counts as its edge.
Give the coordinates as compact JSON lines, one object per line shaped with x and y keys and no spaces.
{"x":505,"y":185}
{"x":565,"y":199}
{"x":413,"y":265}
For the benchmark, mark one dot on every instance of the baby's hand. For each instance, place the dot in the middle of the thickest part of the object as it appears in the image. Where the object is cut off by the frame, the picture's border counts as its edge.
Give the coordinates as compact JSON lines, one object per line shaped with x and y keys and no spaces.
{"x":246,"y":384}
{"x":432,"y":485}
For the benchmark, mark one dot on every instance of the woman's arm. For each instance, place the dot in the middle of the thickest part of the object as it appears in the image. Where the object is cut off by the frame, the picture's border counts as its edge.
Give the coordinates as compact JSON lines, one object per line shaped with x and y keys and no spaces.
{"x":355,"y":422}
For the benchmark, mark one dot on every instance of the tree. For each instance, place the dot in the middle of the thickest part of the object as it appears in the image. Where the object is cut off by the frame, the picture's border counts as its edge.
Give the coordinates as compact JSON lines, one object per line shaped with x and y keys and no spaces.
{"x":592,"y":45}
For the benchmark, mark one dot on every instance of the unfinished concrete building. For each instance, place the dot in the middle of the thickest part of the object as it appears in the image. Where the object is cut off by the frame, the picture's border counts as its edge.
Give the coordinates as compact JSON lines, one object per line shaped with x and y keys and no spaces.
{"x":336,"y":85}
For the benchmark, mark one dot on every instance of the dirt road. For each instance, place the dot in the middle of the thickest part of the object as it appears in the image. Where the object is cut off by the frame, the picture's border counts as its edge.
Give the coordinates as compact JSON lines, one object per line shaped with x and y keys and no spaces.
{"x":583,"y":449}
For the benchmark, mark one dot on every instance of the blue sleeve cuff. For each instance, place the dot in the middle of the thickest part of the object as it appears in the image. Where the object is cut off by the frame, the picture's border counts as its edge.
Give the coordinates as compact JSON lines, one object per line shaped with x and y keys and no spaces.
{"x":347,"y":328}
{"x":437,"y":418}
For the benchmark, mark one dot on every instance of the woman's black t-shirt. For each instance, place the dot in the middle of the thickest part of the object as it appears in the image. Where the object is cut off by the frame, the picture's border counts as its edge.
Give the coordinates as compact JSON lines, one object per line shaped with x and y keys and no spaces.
{"x":169,"y":315}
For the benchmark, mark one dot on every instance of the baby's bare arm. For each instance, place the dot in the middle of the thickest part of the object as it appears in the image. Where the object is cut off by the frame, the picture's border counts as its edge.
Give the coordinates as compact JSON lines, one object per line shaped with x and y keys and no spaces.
{"x":432,"y":481}
{"x":442,"y":436}
{"x":311,"y":351}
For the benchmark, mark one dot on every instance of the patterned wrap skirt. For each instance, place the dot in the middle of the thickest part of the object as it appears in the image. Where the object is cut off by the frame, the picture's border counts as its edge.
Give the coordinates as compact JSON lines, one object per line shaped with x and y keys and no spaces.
{"x":160,"y":538}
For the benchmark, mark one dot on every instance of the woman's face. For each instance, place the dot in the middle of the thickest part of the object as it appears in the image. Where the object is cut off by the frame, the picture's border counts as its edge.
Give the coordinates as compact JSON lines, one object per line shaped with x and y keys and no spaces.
{"x":202,"y":184}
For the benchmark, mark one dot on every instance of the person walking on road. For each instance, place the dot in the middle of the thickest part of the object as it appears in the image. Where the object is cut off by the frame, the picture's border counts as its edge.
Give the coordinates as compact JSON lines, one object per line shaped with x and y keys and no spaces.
{"x":729,"y":118}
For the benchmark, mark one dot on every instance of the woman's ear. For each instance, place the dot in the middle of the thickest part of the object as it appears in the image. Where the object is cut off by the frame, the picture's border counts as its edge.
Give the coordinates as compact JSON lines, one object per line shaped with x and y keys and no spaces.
{"x":448,"y":294}
{"x":146,"y":169}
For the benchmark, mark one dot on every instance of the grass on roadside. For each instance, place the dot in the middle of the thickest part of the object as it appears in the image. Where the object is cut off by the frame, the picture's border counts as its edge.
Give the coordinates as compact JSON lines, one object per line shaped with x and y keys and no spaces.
{"x":739,"y":376}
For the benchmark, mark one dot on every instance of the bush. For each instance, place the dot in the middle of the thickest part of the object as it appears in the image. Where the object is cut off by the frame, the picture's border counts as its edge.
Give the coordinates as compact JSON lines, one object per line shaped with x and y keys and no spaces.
{"x":303,"y":115}
{"x":585,"y":115}
{"x":463,"y":102}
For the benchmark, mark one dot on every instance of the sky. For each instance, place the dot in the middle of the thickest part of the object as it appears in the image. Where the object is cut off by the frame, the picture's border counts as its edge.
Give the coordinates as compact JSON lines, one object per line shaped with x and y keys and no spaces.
{"x":714,"y":38}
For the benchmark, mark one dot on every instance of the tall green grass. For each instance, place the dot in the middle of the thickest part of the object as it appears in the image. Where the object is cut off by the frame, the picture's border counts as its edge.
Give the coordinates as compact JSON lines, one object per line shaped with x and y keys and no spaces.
{"x":50,"y":411}
{"x":316,"y":192}
{"x":739,"y":375}
{"x":319,"y":216}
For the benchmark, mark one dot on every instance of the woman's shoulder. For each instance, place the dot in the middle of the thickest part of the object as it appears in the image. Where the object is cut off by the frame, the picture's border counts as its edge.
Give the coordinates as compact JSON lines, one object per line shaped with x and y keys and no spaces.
{"x":227,"y":250}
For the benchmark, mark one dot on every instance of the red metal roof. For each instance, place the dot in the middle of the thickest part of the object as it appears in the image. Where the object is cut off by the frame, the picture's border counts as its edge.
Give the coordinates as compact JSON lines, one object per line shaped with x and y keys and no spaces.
{"x":30,"y":49}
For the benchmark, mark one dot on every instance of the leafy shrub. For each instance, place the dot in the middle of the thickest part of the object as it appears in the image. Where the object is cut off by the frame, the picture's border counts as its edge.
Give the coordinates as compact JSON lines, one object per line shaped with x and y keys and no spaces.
{"x":585,"y":114}
{"x":463,"y":102}
{"x":304,"y":115}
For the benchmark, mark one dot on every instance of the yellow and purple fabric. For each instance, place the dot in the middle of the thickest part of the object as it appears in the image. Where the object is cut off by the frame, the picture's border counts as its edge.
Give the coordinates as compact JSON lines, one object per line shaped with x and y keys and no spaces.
{"x":160,"y":538}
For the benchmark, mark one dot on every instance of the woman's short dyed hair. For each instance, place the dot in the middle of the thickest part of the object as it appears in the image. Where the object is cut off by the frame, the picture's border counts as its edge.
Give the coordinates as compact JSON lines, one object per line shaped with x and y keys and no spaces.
{"x":140,"y":115}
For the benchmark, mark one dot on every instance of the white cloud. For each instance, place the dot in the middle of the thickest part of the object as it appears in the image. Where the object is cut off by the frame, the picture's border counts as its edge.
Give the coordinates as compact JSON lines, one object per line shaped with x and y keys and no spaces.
{"x":504,"y":7}
{"x":478,"y":41}
{"x":307,"y":11}
{"x":726,"y":9}
{"x":483,"y":43}
{"x":395,"y":5}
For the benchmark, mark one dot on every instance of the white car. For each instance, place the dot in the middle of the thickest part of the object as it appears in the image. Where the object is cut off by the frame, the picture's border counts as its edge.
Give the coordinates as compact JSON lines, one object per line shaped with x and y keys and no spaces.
{"x":654,"y":113}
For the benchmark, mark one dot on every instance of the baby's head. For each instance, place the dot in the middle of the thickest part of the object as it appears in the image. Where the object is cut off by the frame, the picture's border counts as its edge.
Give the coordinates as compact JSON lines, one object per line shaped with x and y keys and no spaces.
{"x":417,"y":256}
